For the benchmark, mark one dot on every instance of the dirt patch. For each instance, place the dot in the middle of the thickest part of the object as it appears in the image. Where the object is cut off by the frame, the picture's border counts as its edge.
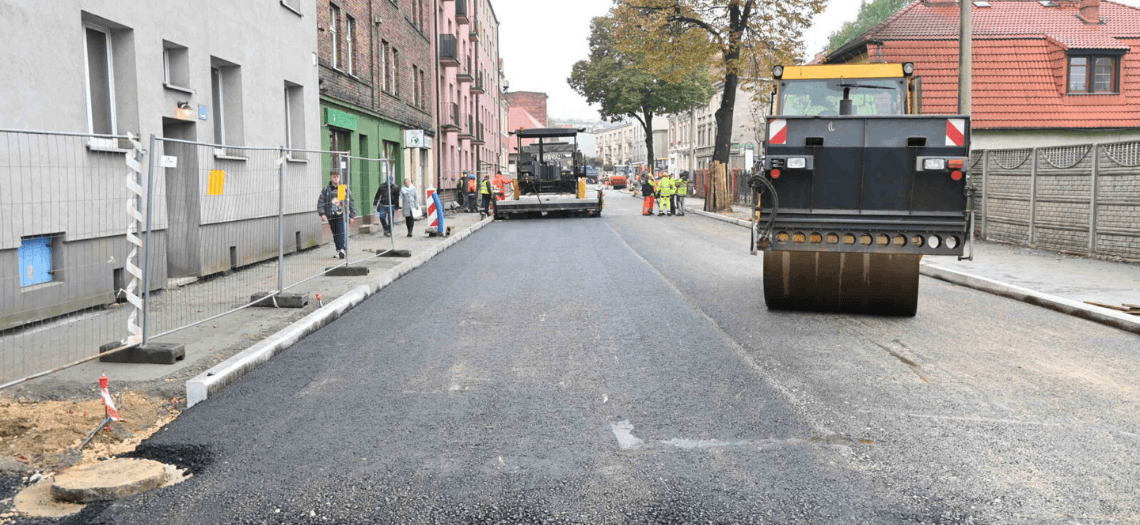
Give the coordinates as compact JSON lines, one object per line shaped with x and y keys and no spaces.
{"x":38,"y":434}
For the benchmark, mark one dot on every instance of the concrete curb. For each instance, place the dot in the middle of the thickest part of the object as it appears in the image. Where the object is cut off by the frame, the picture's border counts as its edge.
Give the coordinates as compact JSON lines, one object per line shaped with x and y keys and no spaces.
{"x":227,"y":372}
{"x":1095,"y":314}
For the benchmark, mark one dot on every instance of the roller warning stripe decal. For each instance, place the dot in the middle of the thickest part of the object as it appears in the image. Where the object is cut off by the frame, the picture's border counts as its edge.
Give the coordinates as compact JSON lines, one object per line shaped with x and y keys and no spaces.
{"x":778,"y":131}
{"x":956,"y":132}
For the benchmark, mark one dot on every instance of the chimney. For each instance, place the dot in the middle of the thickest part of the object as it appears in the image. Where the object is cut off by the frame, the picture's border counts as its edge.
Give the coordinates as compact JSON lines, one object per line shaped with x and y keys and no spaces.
{"x":1090,"y":11}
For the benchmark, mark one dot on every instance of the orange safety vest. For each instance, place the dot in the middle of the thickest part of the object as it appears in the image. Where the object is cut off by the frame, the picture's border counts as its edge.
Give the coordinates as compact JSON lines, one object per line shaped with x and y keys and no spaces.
{"x":471,"y":185}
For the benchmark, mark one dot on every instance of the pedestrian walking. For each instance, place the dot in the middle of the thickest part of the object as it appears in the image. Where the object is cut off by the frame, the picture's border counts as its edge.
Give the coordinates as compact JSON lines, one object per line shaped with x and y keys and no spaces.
{"x":461,"y":192}
{"x":647,"y":191}
{"x":472,"y":204}
{"x":386,"y":198}
{"x":487,"y":193}
{"x":410,"y":203}
{"x":336,"y":212}
{"x":665,"y":185}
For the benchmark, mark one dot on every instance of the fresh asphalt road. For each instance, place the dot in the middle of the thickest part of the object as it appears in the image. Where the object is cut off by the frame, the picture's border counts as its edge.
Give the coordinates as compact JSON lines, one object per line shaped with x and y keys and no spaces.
{"x":625,"y":370}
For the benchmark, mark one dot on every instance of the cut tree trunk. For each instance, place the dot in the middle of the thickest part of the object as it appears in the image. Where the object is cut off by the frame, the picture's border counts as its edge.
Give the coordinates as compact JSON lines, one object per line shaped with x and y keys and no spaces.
{"x":719,"y":197}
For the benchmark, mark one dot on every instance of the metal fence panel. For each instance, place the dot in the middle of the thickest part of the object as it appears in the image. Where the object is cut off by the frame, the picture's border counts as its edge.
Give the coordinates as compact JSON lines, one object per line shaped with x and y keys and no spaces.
{"x":69,"y":249}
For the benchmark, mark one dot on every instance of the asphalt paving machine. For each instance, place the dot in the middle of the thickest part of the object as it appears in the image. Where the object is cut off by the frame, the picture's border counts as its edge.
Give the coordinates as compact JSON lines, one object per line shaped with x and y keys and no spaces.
{"x":856,"y":187}
{"x":551,"y":177}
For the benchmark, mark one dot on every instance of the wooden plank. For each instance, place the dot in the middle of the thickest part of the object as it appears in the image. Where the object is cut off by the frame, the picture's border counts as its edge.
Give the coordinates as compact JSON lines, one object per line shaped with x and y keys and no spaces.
{"x":1109,"y":306}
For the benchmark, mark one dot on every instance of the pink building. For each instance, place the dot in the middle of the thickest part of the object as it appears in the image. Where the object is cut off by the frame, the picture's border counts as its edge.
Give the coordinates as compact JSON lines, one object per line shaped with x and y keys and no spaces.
{"x":469,"y":91}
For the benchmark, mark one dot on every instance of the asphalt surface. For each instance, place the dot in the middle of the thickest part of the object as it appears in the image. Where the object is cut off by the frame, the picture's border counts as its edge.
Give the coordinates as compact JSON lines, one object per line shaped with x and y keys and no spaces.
{"x":625,"y":370}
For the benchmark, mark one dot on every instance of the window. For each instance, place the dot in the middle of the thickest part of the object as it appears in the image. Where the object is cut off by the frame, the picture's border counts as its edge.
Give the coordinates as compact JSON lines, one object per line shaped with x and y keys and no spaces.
{"x":175,"y":66}
{"x":294,"y":117}
{"x":334,"y":32}
{"x":385,"y":57}
{"x":349,"y":40}
{"x":100,"y":85}
{"x":415,"y":86}
{"x":225,"y":94}
{"x":1093,"y":74}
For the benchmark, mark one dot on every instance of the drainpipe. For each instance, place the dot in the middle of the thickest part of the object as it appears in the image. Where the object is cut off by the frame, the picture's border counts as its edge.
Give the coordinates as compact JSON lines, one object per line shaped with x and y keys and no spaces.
{"x":965,"y":57}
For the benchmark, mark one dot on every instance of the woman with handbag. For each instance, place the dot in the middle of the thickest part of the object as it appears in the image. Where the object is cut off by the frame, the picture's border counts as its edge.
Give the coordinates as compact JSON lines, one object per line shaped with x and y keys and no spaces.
{"x":410,"y":203}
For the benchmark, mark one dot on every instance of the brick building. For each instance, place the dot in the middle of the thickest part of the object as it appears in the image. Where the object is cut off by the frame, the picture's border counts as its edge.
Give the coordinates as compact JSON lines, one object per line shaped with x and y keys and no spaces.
{"x":533,"y":102}
{"x":377,"y":62}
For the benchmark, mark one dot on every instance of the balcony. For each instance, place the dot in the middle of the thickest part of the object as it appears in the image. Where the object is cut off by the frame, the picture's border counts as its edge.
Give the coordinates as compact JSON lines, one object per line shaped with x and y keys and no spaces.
{"x":468,"y":133}
{"x":476,"y":28}
{"x":461,"y":12}
{"x":478,"y":139}
{"x":452,"y":125}
{"x":448,"y":56}
{"x":464,"y":75}
{"x":477,"y":88}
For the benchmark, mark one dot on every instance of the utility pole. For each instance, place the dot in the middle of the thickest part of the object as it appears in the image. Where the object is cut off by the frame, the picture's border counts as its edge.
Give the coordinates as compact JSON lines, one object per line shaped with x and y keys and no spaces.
{"x":965,"y":57}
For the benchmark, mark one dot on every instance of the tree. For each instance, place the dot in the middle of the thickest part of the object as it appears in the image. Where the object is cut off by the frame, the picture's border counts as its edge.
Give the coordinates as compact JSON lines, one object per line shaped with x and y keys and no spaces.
{"x":740,"y":39}
{"x":869,"y":16}
{"x":624,"y":87}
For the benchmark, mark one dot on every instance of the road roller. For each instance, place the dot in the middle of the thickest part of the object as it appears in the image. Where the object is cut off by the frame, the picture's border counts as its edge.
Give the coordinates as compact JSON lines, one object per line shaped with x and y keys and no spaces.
{"x":857,"y":186}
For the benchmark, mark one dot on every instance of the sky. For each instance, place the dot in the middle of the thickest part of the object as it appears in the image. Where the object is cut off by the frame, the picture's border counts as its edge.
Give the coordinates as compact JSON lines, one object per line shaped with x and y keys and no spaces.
{"x":532,"y":65}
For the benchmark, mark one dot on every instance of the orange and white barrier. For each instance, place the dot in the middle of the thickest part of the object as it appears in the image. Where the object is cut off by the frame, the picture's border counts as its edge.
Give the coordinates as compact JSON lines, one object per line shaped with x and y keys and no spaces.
{"x":112,"y":412}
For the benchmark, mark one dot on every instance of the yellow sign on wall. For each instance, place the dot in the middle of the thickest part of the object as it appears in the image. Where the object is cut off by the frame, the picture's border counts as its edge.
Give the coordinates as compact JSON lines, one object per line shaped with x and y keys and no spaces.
{"x":217,"y":182}
{"x":340,"y":192}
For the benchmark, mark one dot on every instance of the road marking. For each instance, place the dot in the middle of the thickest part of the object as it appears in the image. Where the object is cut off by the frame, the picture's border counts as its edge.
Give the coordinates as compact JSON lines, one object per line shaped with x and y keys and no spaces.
{"x":625,"y":439}
{"x":690,"y":444}
{"x":605,"y":399}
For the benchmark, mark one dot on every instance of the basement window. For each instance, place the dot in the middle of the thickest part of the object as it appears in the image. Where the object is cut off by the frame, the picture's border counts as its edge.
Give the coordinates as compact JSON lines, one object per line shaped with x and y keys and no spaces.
{"x":1094,"y":74}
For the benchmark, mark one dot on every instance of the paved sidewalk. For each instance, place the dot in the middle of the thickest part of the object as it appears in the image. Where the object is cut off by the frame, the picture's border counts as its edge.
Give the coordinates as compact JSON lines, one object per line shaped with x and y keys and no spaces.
{"x":218,"y":340}
{"x":1054,"y":280}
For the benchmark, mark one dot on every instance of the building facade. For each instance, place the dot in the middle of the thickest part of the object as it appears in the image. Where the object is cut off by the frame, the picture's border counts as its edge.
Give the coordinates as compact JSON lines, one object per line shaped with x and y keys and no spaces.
{"x":222,"y":73}
{"x":377,"y":96}
{"x":624,"y":144}
{"x":692,"y":134}
{"x":469,"y":87}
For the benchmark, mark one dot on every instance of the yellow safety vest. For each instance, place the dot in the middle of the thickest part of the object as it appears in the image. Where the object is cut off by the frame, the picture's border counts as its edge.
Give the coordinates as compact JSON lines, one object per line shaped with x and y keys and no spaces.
{"x":681,"y":186}
{"x":666,"y":186}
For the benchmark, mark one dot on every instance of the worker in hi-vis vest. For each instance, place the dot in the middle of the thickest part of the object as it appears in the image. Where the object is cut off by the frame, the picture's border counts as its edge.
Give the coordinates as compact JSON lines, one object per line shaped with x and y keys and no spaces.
{"x":486,"y":192}
{"x":665,"y":186}
{"x":680,"y":189}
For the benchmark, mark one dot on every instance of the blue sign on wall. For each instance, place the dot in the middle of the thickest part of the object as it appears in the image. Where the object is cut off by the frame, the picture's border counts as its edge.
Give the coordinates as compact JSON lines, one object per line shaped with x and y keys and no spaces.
{"x":203,"y":112}
{"x":35,"y":261}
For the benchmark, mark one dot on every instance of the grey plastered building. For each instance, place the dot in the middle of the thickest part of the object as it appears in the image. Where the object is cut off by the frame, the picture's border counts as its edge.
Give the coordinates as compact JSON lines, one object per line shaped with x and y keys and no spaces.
{"x":213,"y":71}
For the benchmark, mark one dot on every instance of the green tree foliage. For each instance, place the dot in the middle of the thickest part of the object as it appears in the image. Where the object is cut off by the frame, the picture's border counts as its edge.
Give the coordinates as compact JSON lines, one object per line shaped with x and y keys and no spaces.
{"x":869,"y":15}
{"x":738,"y":40}
{"x":624,"y":87}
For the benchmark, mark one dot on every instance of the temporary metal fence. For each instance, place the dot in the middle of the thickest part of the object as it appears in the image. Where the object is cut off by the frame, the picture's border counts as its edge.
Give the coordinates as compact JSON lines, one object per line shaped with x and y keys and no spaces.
{"x":1082,"y":199}
{"x":70,"y":251}
{"x":117,"y":251}
{"x":737,"y":183}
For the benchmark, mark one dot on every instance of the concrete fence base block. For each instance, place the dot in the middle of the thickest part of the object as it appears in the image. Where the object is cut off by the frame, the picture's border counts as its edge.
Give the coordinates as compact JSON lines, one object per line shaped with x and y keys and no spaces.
{"x":346,"y":271}
{"x":150,"y":353}
{"x":396,"y":253}
{"x":227,"y":372}
{"x":285,"y":300}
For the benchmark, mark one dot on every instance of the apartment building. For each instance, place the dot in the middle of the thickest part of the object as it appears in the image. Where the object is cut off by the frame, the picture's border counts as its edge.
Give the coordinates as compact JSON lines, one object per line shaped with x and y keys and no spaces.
{"x":469,"y":92}
{"x":224,"y":73}
{"x":377,"y":66}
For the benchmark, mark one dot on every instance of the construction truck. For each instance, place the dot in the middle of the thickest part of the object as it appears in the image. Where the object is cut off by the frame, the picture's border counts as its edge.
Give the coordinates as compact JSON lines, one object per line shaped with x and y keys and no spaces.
{"x":551,"y":177}
{"x":856,"y":186}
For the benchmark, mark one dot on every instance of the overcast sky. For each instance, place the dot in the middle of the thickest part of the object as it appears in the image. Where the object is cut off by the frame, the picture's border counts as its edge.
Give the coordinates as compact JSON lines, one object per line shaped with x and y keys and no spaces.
{"x":534,"y":65}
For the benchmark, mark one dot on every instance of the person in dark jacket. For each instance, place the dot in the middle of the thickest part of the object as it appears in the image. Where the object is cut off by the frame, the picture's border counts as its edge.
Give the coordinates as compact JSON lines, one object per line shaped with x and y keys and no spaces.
{"x":387,"y":197}
{"x":336,"y":212}
{"x":648,"y":192}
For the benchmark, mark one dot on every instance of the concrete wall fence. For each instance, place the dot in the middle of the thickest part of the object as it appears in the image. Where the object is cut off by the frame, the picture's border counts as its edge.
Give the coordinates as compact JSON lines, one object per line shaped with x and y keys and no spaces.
{"x":1082,"y":199}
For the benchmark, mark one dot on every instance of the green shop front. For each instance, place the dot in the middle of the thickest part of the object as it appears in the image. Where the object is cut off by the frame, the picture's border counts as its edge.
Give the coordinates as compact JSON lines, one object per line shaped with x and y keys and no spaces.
{"x":365,"y":135}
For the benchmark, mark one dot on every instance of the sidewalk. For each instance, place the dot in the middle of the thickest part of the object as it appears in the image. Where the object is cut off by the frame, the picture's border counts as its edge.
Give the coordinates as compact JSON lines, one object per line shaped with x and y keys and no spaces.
{"x":216,"y":341}
{"x":1053,"y":280}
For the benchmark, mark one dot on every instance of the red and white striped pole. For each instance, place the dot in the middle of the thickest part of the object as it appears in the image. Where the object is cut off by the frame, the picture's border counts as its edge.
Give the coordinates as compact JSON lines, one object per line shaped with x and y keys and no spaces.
{"x":433,"y":219}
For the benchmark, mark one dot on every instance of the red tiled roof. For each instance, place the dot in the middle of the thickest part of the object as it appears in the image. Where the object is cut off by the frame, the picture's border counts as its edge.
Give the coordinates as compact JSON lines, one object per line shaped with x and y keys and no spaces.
{"x":1019,"y":62}
{"x":519,"y":117}
{"x":1005,"y":18}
